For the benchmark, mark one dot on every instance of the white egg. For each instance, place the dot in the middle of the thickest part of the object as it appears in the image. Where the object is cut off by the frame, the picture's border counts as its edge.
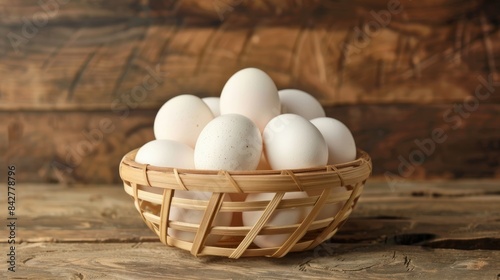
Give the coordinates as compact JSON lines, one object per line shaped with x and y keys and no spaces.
{"x":294,"y":101}
{"x":341,"y":145}
{"x":280,"y":217}
{"x":293,"y":142}
{"x":229,"y":142}
{"x":166,"y":153}
{"x":329,"y":210}
{"x":252,"y":93}
{"x":196,"y":216}
{"x":182,"y":118}
{"x":214,"y":104}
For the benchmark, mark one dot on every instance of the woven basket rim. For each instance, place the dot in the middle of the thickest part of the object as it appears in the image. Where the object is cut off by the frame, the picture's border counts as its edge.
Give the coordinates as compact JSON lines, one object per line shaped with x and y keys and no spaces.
{"x":255,"y":181}
{"x":128,"y":159}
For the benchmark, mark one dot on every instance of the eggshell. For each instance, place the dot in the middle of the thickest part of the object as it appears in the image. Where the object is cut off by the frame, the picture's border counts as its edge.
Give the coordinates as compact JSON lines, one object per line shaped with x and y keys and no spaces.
{"x":331,"y":209}
{"x":229,"y":142}
{"x":169,"y":153}
{"x":341,"y":145}
{"x":294,"y":101}
{"x":196,"y":216}
{"x":280,"y":217}
{"x":214,"y":104}
{"x":293,"y":142}
{"x":166,"y":153}
{"x":252,"y":93}
{"x":182,"y":118}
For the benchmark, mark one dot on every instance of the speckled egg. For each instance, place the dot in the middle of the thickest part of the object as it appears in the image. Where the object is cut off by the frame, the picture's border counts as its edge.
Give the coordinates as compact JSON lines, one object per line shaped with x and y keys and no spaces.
{"x":228,"y":142}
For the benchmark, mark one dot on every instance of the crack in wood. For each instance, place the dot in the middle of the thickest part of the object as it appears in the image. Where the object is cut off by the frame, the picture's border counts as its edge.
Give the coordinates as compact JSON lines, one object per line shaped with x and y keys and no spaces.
{"x":80,"y":73}
{"x":136,"y":245}
{"x":136,"y":129}
{"x":96,"y":241}
{"x":52,"y":57}
{"x":345,"y":51}
{"x":459,"y":40}
{"x":245,"y":46}
{"x":27,"y":259}
{"x":320,"y":59}
{"x":437,"y":194}
{"x":163,"y":51}
{"x":401,"y":43}
{"x":487,"y":243}
{"x":387,"y":217}
{"x":467,"y":39}
{"x":207,"y":50}
{"x":130,"y":60}
{"x":449,"y":54}
{"x":411,"y":239}
{"x":490,"y":57}
{"x":303,"y":266}
{"x":297,"y":49}
{"x":380,"y":75}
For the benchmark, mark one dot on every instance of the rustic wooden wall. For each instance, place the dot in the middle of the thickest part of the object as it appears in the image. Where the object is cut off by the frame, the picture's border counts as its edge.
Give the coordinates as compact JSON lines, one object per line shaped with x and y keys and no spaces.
{"x":81,"y":80}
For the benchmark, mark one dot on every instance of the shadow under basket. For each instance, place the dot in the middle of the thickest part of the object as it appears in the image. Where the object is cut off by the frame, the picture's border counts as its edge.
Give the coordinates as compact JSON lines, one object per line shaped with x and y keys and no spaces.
{"x":153,"y":189}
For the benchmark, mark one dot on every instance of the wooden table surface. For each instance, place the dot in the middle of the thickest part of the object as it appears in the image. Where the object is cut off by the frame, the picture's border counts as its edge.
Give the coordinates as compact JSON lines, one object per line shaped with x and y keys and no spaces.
{"x":418,"y":230}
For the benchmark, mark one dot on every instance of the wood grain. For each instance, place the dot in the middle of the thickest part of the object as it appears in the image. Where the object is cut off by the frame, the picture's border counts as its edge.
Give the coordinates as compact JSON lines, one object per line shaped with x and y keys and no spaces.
{"x":213,"y":11}
{"x":151,"y":261}
{"x":105,"y":214}
{"x":71,"y":147}
{"x":88,"y":63}
{"x":418,"y":229}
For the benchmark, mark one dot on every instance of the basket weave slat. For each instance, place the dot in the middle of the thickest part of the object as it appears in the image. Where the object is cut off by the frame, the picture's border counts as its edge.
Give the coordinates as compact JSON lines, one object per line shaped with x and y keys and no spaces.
{"x":302,"y":228}
{"x":266,"y":214}
{"x":350,"y":203}
{"x":228,"y":206}
{"x":153,"y":190}
{"x":211,"y":211}
{"x":243,"y":230}
{"x":165,"y":210}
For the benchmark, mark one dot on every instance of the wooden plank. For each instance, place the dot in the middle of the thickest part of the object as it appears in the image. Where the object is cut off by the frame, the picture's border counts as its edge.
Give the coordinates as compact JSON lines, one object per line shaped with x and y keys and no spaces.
{"x":72,"y":147}
{"x":57,"y":213}
{"x":61,"y":11}
{"x":83,"y":147}
{"x":439,"y":215}
{"x":419,"y":229}
{"x":93,"y":66}
{"x":401,"y":140}
{"x":334,"y":261}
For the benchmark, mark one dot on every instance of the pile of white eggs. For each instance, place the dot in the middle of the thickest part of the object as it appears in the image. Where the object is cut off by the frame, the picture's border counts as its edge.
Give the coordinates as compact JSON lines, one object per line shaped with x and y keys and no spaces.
{"x":252,"y":126}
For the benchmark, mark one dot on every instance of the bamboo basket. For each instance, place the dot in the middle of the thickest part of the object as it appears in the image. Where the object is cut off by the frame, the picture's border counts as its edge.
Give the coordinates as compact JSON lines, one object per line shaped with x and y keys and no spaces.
{"x":153,"y":188}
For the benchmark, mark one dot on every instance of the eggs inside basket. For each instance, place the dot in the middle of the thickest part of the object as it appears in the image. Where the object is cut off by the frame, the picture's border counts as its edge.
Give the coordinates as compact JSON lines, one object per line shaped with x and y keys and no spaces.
{"x":251,"y":126}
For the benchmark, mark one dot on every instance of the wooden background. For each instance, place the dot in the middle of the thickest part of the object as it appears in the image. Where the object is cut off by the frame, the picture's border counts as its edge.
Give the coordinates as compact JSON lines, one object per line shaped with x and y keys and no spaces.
{"x":81,"y":80}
